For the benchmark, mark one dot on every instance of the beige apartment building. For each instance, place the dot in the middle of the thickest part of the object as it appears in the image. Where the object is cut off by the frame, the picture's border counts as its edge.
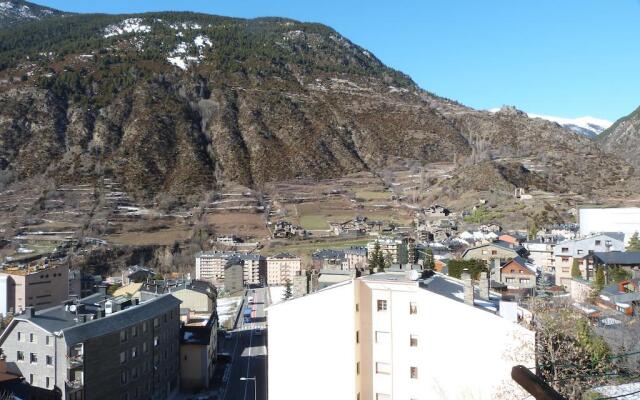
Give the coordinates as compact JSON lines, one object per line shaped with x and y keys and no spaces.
{"x":282,"y":267}
{"x":39,"y":286}
{"x":210,"y":266}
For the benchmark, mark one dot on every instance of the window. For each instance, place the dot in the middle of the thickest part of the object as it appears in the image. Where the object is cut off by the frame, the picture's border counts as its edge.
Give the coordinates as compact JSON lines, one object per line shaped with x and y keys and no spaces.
{"x":565,"y":249}
{"x":123,"y":335}
{"x":358,"y":368}
{"x":33,"y":358}
{"x":413,"y":340}
{"x":494,"y":252}
{"x":524,"y":281}
{"x":47,"y":340}
{"x":19,"y":336}
{"x":414,"y":372}
{"x":382,"y":305}
{"x":383,"y":396}
{"x":32,"y":338}
{"x":134,"y":352}
{"x":156,"y":341}
{"x":510,"y":280}
{"x":382,"y":337}
{"x":123,"y":357}
{"x":484,"y":252}
{"x":357,"y":336}
{"x":123,"y":377}
{"x":156,"y":322}
{"x":49,"y":360}
{"x":580,"y":251}
{"x":144,"y":327}
{"x":165,"y":318}
{"x":134,"y":373}
{"x":598,"y":242}
{"x":20,"y":356}
{"x":357,"y":309}
{"x":47,"y":382}
{"x":134,"y":331}
{"x":145,"y":348}
{"x":31,"y":379}
{"x":413,"y":308}
{"x":383,"y":368}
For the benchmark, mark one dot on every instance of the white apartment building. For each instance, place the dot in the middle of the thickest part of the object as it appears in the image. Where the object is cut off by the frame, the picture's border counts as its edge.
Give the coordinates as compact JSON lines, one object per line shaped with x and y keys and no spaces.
{"x":565,"y":252}
{"x":385,"y":336}
{"x":282,"y":267}
{"x":210,"y":266}
{"x":541,"y":252}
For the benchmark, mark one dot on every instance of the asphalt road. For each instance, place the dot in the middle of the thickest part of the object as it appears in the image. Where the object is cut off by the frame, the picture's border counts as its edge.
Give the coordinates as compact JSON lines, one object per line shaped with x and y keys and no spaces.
{"x":249,"y":354}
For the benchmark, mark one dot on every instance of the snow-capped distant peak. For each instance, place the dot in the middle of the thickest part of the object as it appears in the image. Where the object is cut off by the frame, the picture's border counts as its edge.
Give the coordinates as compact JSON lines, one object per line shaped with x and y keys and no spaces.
{"x":587,"y":126}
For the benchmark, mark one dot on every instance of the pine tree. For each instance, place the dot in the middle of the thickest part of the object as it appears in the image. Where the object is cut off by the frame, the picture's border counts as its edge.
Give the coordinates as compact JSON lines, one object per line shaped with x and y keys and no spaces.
{"x":287,"y":290}
{"x":385,"y":262}
{"x":575,"y":270}
{"x":429,"y":261}
{"x":634,"y":243}
{"x":599,"y":282}
{"x":375,"y":258}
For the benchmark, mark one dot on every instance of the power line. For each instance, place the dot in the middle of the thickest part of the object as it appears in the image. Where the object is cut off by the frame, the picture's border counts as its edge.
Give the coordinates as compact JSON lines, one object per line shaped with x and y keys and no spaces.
{"x":618,"y":396}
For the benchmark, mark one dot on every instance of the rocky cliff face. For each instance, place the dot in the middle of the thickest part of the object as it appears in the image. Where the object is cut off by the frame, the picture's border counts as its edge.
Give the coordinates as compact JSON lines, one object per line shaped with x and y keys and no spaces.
{"x":177,"y":102}
{"x":623,"y":138}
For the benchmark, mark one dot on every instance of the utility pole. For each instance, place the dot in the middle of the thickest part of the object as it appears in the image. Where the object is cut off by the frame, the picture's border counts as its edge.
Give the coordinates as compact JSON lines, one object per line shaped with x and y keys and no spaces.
{"x":533,"y":384}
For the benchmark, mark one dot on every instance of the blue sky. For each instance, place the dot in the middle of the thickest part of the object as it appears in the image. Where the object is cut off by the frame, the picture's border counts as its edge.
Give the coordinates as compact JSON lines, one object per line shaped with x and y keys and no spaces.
{"x":567,"y":58}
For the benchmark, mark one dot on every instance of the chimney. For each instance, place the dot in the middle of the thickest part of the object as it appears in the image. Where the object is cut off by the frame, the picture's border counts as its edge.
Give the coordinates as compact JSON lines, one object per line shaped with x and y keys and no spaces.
{"x":102,"y":289}
{"x":29,"y":312}
{"x":484,"y":286}
{"x":468,"y":287}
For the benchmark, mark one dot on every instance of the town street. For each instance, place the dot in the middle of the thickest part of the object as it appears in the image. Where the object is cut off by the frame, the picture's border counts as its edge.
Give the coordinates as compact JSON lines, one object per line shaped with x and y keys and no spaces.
{"x":248,"y":349}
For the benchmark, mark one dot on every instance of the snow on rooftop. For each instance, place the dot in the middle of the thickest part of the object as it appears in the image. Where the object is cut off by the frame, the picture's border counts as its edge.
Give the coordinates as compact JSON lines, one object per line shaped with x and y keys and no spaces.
{"x":129,"y":25}
{"x":276,"y":293}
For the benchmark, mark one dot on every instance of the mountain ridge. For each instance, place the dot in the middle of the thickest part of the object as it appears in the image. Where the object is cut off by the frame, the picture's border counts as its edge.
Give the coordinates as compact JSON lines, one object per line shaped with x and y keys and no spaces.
{"x":173,"y":102}
{"x":13,"y":12}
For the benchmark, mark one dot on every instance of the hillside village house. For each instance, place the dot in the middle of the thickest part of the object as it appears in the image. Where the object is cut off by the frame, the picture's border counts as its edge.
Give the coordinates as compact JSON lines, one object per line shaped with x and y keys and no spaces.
{"x":494,"y":254}
{"x":518,"y":273}
{"x":567,"y":251}
{"x":378,"y":345}
{"x":623,"y":297}
{"x":628,"y":261}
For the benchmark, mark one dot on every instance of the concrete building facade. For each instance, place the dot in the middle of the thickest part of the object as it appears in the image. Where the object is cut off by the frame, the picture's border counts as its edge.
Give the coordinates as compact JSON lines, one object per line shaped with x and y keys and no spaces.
{"x":210,"y":266}
{"x":567,"y":251}
{"x":40,"y":287}
{"x":98,"y":347}
{"x":282,"y":268}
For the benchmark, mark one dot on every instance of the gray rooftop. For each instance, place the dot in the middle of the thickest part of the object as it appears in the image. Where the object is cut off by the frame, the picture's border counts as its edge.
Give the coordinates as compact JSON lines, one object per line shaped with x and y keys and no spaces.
{"x":618,"y":258}
{"x":58,"y":319}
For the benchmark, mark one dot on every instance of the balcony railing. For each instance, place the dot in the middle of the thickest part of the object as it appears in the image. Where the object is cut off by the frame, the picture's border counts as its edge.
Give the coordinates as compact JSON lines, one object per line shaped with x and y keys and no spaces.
{"x":74,"y":385}
{"x":75,"y":361}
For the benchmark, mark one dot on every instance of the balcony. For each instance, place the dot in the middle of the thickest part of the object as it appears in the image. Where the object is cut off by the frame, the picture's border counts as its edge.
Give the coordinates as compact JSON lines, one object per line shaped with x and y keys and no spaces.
{"x":74,"y":386}
{"x":75,"y":361}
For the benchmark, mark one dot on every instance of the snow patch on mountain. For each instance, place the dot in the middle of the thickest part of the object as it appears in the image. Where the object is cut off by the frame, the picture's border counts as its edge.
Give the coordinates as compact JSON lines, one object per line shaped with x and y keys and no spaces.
{"x":587,"y":126}
{"x":129,"y":25}
{"x":181,"y":57}
{"x":185,"y":26}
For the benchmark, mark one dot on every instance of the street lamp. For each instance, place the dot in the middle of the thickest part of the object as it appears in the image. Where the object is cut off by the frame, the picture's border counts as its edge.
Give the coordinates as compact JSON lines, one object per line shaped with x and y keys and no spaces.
{"x":255,"y":386}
